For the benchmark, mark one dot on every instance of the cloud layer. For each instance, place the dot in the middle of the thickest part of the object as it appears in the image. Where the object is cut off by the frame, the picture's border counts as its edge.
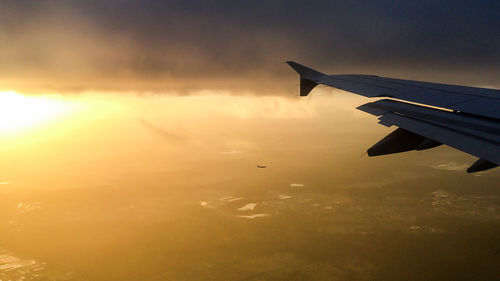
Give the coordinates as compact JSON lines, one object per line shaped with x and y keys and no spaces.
{"x":163,"y":45}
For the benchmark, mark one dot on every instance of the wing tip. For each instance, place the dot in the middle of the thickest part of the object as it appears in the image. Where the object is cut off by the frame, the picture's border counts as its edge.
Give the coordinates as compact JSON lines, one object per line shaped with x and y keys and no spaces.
{"x":308,"y":77}
{"x":305,"y":72}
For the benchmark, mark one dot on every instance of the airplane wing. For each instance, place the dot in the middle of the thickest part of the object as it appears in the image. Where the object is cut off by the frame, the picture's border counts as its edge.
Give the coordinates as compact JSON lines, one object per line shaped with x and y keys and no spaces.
{"x":466,"y":118}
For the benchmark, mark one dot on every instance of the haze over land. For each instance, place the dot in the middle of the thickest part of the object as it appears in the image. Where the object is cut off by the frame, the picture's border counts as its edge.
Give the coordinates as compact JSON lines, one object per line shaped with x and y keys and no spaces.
{"x":166,"y":188}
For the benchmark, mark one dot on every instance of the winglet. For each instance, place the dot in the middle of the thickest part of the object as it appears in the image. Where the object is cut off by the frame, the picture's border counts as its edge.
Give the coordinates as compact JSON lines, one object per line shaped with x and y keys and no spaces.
{"x":308,"y":77}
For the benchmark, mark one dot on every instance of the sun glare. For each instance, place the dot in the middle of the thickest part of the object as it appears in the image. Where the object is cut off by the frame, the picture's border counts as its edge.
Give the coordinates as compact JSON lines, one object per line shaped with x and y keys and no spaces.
{"x":19,"y":112}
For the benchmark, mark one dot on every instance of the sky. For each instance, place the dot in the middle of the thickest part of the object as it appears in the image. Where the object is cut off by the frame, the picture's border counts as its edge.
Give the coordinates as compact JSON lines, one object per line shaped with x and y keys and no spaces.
{"x":160,"y":46}
{"x":131,"y":131}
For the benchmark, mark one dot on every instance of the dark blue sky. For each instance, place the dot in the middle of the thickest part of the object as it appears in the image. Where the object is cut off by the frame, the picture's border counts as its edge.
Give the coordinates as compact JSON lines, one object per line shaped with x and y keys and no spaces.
{"x":154,"y":40}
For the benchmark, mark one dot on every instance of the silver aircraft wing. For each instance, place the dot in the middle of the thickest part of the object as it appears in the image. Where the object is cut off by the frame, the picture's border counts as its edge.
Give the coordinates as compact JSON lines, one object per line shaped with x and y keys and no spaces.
{"x":467,"y":119}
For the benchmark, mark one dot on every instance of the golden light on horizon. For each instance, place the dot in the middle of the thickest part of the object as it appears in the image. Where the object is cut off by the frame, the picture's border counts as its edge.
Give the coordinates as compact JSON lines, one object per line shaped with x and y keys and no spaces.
{"x":19,"y":112}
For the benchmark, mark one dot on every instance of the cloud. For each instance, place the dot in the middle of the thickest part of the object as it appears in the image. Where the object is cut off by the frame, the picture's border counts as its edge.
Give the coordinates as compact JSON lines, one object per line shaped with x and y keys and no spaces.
{"x":170,"y":45}
{"x":248,"y":207}
{"x":451,"y":166}
{"x":166,"y":134}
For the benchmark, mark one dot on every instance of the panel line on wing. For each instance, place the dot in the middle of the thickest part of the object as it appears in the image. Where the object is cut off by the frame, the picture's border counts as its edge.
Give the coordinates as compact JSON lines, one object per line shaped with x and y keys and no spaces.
{"x":364,"y":83}
{"x":440,"y":87}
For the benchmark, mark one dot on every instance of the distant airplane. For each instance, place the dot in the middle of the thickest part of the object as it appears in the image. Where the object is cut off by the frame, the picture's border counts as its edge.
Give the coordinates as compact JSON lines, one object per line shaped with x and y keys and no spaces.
{"x":261,"y":166}
{"x":466,"y":118}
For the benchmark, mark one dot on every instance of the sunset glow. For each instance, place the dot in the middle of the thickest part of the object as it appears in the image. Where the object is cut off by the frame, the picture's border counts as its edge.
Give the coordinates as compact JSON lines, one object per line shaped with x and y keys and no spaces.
{"x":233,"y":140}
{"x":19,"y":112}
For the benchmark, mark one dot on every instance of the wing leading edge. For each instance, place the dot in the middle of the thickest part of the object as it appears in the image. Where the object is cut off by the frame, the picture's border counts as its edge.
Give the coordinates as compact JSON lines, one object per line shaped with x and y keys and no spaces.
{"x":471,"y":123}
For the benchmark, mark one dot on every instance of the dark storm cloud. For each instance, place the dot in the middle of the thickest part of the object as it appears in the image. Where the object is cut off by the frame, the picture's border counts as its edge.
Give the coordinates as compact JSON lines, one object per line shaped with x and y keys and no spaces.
{"x":146,"y":43}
